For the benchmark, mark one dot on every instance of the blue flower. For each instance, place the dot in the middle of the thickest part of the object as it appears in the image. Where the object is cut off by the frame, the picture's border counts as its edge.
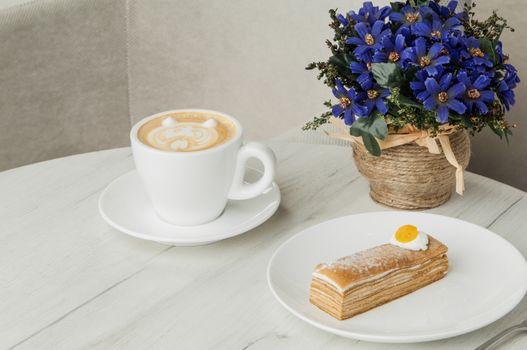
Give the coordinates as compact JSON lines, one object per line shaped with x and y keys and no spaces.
{"x":346,"y":103}
{"x":370,"y":14}
{"x":474,"y":57}
{"x":506,"y":85}
{"x":360,"y":68}
{"x":477,"y":95}
{"x":418,"y":84}
{"x":506,"y":95}
{"x":444,"y":96}
{"x":342,"y":20}
{"x":407,"y":17}
{"x":436,"y":29}
{"x":502,"y":58}
{"x":452,"y":74}
{"x":392,"y":49}
{"x":418,"y":56}
{"x":448,"y":11}
{"x":511,"y":76}
{"x":372,"y":96}
{"x":369,"y":40}
{"x":453,"y":46}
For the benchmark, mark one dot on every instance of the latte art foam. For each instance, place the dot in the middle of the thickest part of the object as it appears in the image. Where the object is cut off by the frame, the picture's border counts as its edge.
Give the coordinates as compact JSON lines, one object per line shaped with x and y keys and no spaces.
{"x":183,"y":137}
{"x":186,"y":132}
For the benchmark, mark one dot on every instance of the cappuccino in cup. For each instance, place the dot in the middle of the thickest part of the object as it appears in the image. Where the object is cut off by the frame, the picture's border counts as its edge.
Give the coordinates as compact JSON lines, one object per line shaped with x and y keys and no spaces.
{"x":191,"y":162}
{"x":187,"y":131}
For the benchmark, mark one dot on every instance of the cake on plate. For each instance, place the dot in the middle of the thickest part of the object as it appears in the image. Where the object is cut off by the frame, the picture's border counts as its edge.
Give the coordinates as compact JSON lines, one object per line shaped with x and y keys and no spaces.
{"x":359,"y":282}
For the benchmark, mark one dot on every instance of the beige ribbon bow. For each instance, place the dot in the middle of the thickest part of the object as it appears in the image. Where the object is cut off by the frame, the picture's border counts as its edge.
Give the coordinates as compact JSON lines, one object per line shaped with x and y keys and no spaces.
{"x":409,"y":134}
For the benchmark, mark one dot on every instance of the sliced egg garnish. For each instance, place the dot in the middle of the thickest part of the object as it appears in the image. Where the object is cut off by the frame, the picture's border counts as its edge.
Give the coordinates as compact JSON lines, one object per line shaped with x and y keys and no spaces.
{"x":409,"y":237}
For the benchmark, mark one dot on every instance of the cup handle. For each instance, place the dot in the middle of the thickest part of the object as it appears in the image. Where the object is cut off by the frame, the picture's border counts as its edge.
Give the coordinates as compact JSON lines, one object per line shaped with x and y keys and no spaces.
{"x":240,"y":189}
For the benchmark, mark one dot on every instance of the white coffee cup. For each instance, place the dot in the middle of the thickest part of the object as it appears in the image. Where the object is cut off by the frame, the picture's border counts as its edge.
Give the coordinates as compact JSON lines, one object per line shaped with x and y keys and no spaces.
{"x":192,"y":188}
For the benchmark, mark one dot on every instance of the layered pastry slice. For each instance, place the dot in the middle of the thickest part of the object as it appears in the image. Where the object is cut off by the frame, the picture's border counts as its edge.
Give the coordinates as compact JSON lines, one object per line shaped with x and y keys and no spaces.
{"x":357,"y":283}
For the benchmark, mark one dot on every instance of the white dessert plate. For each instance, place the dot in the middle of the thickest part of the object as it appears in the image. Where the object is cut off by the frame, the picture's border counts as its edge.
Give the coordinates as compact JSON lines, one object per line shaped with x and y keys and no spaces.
{"x":125,"y":206}
{"x":486,"y":280}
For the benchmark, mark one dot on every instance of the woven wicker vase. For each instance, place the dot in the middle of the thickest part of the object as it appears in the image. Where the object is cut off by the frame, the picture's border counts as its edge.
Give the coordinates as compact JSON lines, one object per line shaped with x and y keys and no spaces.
{"x":408,"y":176}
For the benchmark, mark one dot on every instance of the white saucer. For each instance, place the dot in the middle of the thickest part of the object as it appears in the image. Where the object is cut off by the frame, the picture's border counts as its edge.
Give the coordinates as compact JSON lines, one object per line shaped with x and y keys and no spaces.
{"x":125,"y":206}
{"x":486,"y":278}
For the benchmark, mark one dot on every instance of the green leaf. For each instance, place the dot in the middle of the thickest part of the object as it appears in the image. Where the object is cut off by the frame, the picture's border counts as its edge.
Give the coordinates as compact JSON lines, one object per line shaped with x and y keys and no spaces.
{"x":370,"y":129}
{"x":387,"y":75}
{"x":409,"y":75}
{"x":486,"y":46}
{"x":465,"y":120}
{"x":371,"y":144}
{"x":369,"y":141}
{"x":342,"y":61}
{"x":498,"y":132}
{"x":418,"y":3}
{"x":396,"y":6}
{"x":406,"y":101}
{"x":507,"y":134}
{"x":337,"y":61}
{"x":374,"y":125}
{"x":355,"y":131}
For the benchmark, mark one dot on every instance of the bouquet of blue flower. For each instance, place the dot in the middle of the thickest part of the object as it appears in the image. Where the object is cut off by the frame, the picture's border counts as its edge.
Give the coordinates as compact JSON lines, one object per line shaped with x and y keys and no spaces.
{"x":416,"y":63}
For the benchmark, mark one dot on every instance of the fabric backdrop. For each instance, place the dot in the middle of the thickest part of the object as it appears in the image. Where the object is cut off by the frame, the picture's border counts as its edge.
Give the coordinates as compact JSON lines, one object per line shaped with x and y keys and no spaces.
{"x":75,"y":74}
{"x":63,"y":79}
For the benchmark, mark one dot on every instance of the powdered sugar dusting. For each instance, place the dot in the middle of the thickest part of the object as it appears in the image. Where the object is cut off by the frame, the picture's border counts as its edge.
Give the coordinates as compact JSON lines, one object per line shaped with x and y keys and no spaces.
{"x":367,"y":261}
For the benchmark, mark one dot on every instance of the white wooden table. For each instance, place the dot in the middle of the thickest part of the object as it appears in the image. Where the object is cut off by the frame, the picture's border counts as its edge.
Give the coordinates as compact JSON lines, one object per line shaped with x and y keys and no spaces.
{"x":68,"y":281}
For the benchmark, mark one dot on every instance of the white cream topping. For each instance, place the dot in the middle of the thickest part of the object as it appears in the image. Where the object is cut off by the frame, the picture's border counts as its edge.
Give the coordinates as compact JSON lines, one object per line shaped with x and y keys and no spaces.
{"x":211,"y":123}
{"x":419,"y":243}
{"x":169,"y":121}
